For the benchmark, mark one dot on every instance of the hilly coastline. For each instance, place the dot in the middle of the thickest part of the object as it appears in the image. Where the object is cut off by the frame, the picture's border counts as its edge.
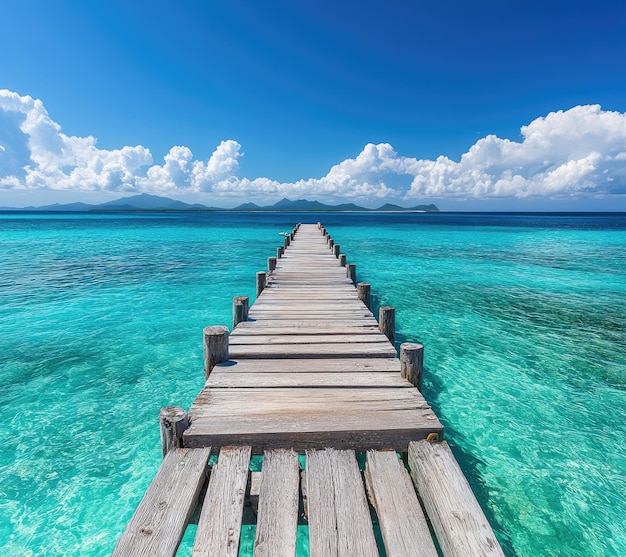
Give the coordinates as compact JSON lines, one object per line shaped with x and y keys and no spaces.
{"x":146,"y":202}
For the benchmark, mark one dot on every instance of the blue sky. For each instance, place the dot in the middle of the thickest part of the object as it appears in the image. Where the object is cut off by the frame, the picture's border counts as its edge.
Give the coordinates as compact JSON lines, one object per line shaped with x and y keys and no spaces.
{"x":470,"y":105}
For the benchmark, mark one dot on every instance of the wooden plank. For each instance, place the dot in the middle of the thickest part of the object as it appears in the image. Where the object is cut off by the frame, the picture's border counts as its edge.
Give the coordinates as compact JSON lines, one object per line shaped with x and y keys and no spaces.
{"x":220,"y":520}
{"x":390,"y":365}
{"x":402,"y":521}
{"x":240,"y":339}
{"x":160,"y":520}
{"x":312,"y":350}
{"x":339,"y":517}
{"x":361,"y":431}
{"x":277,"y":523}
{"x":458,"y":521}
{"x":364,"y":379}
{"x":263,"y":328}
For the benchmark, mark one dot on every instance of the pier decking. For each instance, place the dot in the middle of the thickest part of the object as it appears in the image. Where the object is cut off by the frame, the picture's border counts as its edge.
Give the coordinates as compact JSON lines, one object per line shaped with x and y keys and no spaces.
{"x":309,"y":372}
{"x":310,"y":368}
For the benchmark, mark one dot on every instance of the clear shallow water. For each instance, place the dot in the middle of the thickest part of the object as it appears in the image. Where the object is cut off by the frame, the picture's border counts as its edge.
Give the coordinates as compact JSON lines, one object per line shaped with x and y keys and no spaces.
{"x":523,"y":318}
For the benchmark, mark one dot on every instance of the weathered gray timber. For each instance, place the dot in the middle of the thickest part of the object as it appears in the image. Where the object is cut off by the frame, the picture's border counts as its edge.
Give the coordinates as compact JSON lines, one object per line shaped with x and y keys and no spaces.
{"x":363,"y":292}
{"x":412,"y":363}
{"x":402,"y":522}
{"x":339,"y":517}
{"x":173,"y":421}
{"x":158,"y":525}
{"x":277,"y":523}
{"x":220,"y":520}
{"x":241,"y":306}
{"x":387,"y":321}
{"x":458,"y":521}
{"x":215,"y":347}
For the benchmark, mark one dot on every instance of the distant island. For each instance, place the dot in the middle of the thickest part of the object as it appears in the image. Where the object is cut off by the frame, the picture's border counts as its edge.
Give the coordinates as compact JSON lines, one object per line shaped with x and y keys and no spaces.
{"x":147,"y":202}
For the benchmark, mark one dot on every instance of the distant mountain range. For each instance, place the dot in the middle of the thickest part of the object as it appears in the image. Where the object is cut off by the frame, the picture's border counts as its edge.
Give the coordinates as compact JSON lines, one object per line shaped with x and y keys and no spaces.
{"x":146,"y":202}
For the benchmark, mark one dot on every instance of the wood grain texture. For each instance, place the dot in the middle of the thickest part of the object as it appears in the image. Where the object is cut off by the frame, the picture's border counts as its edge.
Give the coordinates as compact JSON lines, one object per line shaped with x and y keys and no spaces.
{"x":458,"y":521}
{"x":277,"y":523}
{"x":339,"y":517}
{"x":220,"y":520}
{"x":402,"y":521}
{"x":158,"y":525}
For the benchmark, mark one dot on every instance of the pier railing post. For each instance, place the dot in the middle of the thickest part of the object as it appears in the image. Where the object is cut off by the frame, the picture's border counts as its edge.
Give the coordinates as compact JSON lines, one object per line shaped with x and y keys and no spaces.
{"x":261,"y":277}
{"x":173,"y":421}
{"x":351,"y":272}
{"x":271,"y":264}
{"x":412,"y":363}
{"x":215,"y":347}
{"x":336,"y":249}
{"x":363,"y":292}
{"x":342,"y":259}
{"x":331,"y":243}
{"x":279,"y":252}
{"x":241,"y":306}
{"x":287,"y":241}
{"x":387,"y":322}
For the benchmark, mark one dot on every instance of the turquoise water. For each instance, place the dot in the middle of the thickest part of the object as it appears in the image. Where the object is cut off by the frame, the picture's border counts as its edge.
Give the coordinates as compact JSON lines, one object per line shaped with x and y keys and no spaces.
{"x":523,"y":318}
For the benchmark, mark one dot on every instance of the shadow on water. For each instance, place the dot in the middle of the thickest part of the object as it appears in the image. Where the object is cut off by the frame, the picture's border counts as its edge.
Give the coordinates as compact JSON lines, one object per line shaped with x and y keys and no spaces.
{"x":433,"y":389}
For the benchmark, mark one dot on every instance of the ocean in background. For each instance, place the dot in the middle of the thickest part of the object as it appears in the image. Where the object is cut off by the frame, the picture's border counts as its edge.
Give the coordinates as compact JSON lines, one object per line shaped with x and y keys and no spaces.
{"x":523,"y":318}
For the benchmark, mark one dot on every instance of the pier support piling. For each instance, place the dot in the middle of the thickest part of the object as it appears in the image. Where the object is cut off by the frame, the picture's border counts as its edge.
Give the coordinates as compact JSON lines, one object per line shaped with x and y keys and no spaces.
{"x":215,"y":347}
{"x":271,"y":264}
{"x":342,"y":259}
{"x":336,"y":249}
{"x":241,"y":305}
{"x":279,"y":252}
{"x":387,"y":322}
{"x":363,"y":292}
{"x":261,"y":277}
{"x":412,"y":363}
{"x":351,"y":272}
{"x":173,"y":421}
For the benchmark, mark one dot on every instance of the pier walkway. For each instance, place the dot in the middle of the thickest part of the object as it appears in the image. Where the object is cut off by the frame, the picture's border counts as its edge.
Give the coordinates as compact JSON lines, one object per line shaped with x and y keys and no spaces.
{"x":308,"y":379}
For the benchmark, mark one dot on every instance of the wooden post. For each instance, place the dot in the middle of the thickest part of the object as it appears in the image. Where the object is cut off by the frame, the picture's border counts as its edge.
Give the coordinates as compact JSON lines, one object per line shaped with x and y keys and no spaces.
{"x":387,"y":321}
{"x":412,"y":363}
{"x":271,"y":264}
{"x":319,"y":225}
{"x":331,"y":243}
{"x":215,"y":347}
{"x":342,"y":259}
{"x":336,"y":248}
{"x":363,"y":292}
{"x":351,"y":272}
{"x":241,"y":305}
{"x":260,"y":282}
{"x":279,"y":252}
{"x":287,"y":241}
{"x":173,"y":421}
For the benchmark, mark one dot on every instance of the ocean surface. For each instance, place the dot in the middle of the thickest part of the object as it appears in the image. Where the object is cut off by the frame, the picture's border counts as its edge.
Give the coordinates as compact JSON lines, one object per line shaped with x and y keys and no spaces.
{"x":523,"y":318}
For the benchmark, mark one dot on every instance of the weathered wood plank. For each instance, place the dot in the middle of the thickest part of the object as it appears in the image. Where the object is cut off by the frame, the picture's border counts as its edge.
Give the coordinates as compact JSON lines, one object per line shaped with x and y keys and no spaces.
{"x":158,"y":525}
{"x":240,"y":339}
{"x":391,"y":365}
{"x":220,"y":520}
{"x":277,"y":523}
{"x":402,"y":521}
{"x":312,"y":350}
{"x":458,"y":521}
{"x":364,"y":379}
{"x":339,"y":518}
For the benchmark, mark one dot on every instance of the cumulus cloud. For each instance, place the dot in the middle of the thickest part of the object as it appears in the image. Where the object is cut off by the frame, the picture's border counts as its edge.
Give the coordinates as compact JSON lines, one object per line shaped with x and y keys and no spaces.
{"x":573,"y":153}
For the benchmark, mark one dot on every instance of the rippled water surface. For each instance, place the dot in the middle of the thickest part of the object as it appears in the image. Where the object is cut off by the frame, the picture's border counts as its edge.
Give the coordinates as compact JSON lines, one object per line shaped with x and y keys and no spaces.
{"x":523,"y":318}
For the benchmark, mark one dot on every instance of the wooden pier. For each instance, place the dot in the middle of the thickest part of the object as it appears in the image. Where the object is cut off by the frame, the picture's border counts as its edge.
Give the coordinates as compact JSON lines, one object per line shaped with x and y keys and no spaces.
{"x":308,"y":371}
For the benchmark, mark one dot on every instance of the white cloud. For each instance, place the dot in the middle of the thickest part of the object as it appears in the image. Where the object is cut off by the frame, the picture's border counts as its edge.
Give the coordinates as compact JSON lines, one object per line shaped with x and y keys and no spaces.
{"x":573,"y":153}
{"x":570,"y":153}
